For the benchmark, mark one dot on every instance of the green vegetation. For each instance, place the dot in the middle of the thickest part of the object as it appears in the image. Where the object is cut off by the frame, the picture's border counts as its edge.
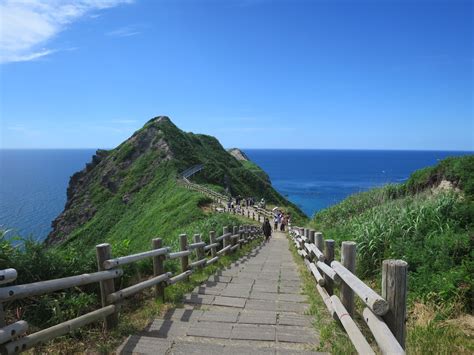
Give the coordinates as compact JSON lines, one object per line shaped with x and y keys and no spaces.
{"x":132,"y":193}
{"x":135,"y":314}
{"x":427,"y":221}
{"x":126,"y":197}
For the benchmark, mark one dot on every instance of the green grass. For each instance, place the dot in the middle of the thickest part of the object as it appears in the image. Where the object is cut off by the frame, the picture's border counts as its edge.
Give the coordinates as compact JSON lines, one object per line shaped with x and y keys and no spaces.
{"x":432,"y":230}
{"x":333,"y":338}
{"x":137,"y":312}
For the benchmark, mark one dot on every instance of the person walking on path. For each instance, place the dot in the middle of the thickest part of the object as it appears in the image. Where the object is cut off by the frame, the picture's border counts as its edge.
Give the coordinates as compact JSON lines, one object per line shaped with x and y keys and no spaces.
{"x":267,"y":229}
{"x":275,"y":221}
{"x":284,"y":222}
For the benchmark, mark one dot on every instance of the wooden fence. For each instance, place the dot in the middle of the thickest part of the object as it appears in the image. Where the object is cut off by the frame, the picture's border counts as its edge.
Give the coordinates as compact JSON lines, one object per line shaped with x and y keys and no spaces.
{"x":12,"y":337}
{"x":384,"y":314}
{"x":254,"y":212}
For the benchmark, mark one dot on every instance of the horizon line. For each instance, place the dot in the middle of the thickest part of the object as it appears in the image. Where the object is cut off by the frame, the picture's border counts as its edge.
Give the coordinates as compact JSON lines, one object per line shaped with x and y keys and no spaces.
{"x":326,"y":149}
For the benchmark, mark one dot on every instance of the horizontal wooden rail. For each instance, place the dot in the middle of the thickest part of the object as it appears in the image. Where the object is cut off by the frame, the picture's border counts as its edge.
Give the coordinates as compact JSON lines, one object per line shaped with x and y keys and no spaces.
{"x":7,"y":275}
{"x":224,"y":250}
{"x":183,"y":276}
{"x":212,"y":260}
{"x":329,"y":272}
{"x":196,"y":245}
{"x":223,"y":236}
{"x":210,"y":246}
{"x":389,"y":331}
{"x":108,"y":270}
{"x":42,"y":336}
{"x":317,"y":275}
{"x":197,"y":263}
{"x":130,"y":291}
{"x":375,"y":302}
{"x":12,"y":331}
{"x":178,"y":254}
{"x":40,"y":288}
{"x":382,"y":334}
{"x":354,"y":333}
{"x":123,"y":260}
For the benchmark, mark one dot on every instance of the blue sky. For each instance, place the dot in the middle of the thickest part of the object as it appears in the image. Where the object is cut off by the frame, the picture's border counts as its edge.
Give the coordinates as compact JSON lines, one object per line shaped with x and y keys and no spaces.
{"x":254,"y":73}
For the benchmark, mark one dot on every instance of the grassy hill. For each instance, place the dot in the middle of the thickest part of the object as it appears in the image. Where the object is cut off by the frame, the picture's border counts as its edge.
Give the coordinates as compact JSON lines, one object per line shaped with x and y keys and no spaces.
{"x":427,"y":221}
{"x":127,"y":196}
{"x":130,"y":193}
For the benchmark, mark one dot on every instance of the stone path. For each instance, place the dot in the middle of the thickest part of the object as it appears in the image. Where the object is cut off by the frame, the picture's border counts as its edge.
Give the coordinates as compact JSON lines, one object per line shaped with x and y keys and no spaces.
{"x":252,"y":307}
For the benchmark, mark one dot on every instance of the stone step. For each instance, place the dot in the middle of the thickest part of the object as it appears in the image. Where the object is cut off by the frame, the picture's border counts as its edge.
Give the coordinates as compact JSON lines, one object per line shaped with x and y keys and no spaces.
{"x":148,"y":345}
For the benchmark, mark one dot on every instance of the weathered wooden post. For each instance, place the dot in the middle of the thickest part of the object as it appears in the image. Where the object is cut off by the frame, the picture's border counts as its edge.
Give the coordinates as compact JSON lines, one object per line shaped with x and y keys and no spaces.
{"x":225,"y":241}
{"x":212,"y":239}
{"x":319,"y":241}
{"x":348,"y":260}
{"x":328,"y":258}
{"x":311,"y":236}
{"x":253,"y":215}
{"x":394,"y":291}
{"x":2,"y":316}
{"x":183,"y":244}
{"x":200,"y":250}
{"x":158,"y":268}
{"x":103,"y":253}
{"x":235,"y":231}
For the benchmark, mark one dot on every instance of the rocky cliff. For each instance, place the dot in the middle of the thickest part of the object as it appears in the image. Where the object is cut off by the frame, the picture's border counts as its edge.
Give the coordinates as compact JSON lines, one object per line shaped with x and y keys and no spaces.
{"x":128,"y":189}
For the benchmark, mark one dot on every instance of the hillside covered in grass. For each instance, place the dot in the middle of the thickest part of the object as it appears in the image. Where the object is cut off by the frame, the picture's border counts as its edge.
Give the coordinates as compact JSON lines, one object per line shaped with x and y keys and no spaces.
{"x":127,"y":196}
{"x":131,"y":192}
{"x":427,"y":221}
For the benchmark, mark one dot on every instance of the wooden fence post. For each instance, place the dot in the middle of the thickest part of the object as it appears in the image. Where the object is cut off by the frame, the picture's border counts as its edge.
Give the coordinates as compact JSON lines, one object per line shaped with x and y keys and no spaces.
{"x":183,"y":243}
{"x":2,"y":316}
{"x":394,"y":291}
{"x":235,"y":231}
{"x":311,"y":236}
{"x":200,"y":250}
{"x":329,"y":257}
{"x":158,"y":268}
{"x":212,"y":240}
{"x":225,"y":241}
{"x":348,"y":260}
{"x":103,"y":253}
{"x":319,"y":241}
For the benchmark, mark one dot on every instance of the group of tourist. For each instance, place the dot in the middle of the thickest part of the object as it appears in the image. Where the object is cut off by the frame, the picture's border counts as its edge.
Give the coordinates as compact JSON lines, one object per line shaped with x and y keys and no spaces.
{"x":243,"y":202}
{"x":280,"y":221}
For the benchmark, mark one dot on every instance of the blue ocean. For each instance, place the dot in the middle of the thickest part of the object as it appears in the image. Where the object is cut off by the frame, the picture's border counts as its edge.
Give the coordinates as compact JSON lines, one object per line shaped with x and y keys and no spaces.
{"x":33,"y":182}
{"x":316,"y":179}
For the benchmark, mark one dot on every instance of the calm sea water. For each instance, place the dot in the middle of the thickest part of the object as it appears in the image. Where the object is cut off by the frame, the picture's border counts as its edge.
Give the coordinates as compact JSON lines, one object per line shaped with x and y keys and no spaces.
{"x":33,"y":187}
{"x":33,"y":182}
{"x":316,"y":179}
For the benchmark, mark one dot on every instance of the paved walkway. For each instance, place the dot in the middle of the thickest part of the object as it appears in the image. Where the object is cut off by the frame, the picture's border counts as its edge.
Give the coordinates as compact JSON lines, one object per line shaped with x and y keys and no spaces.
{"x":253,"y":307}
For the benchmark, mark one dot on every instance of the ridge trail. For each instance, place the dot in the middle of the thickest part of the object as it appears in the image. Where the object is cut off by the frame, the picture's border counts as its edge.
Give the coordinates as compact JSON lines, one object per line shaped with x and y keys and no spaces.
{"x":255,"y":306}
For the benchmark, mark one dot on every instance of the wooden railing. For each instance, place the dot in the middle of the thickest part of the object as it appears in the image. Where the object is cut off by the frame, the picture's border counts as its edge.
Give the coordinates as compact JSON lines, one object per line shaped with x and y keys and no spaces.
{"x":384,"y":314}
{"x":12,"y":337}
{"x":254,"y":212}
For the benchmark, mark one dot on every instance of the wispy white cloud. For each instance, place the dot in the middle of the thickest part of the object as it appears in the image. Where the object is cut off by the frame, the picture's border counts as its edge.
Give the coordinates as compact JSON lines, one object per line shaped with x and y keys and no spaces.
{"x":26,"y":26}
{"x":123,"y":32}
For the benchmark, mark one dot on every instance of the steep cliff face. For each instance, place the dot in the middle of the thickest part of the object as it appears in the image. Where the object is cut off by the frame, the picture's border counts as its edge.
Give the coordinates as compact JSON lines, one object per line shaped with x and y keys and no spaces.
{"x":131,"y":188}
{"x":238,"y":154}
